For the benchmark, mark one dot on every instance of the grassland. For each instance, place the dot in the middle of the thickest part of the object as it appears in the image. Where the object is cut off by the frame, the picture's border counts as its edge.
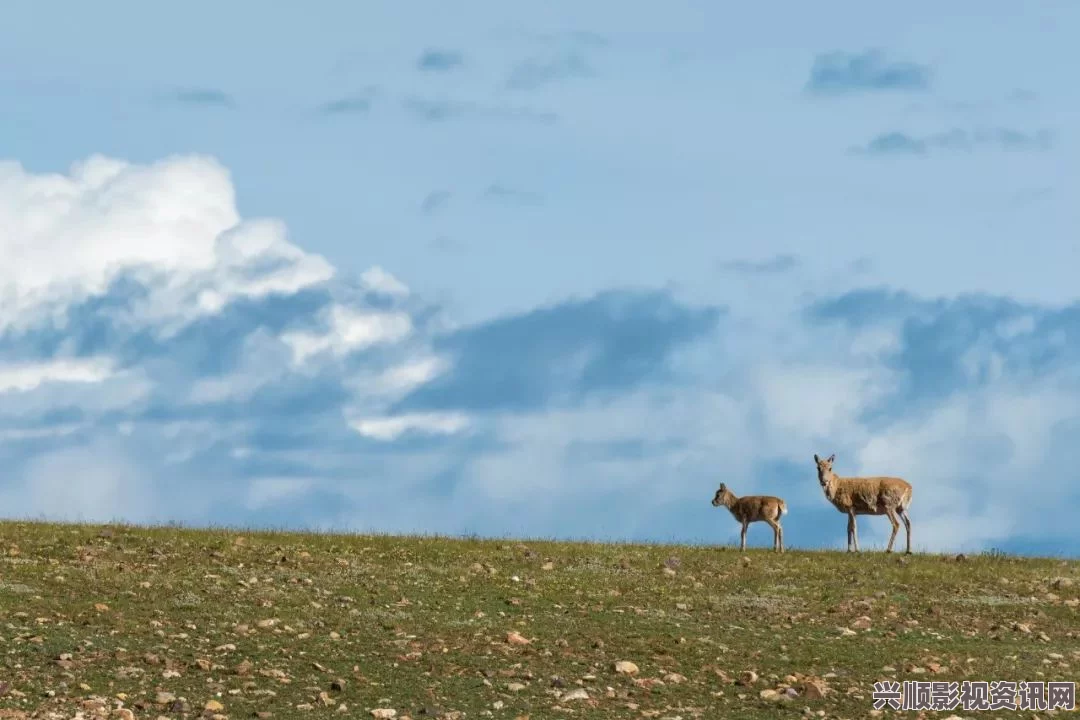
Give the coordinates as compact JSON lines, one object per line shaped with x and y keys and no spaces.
{"x":132,"y":622}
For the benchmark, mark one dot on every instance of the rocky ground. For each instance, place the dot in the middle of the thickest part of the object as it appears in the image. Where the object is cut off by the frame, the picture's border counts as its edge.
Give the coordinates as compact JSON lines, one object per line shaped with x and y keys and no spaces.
{"x":123,"y":622}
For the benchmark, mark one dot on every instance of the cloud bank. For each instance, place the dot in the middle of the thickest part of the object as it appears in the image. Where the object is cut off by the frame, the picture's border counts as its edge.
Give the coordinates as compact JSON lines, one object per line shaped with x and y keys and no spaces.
{"x":166,"y":359}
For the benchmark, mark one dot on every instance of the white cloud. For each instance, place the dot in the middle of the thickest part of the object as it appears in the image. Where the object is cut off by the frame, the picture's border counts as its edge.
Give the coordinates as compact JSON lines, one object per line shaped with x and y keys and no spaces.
{"x":349,"y":330}
{"x":378,"y":280}
{"x":29,"y":376}
{"x":402,"y":378}
{"x":805,"y":405}
{"x":391,"y":428}
{"x":67,"y":237}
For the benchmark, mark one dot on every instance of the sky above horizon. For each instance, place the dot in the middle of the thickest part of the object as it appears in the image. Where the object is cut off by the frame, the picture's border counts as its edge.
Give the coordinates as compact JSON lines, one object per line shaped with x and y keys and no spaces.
{"x":553,"y":270}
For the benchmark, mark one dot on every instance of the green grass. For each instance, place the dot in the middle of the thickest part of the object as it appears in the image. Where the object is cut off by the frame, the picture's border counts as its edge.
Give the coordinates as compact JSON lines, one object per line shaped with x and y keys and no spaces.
{"x":297,"y":625}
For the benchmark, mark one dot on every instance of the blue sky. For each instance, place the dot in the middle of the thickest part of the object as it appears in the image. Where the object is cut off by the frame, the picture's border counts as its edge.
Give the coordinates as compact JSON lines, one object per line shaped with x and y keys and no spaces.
{"x":555,"y":269}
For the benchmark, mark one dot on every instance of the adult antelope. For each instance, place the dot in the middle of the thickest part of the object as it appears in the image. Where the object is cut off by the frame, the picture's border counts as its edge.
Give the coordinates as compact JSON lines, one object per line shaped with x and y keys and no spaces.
{"x":853,"y":496}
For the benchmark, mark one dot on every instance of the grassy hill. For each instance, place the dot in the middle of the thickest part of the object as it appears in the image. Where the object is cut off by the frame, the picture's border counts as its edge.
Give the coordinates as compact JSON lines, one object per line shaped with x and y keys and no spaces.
{"x":168,"y":622}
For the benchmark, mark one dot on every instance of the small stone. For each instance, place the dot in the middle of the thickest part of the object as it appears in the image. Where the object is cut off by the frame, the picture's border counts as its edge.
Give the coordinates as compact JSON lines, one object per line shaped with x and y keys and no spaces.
{"x":575,"y":694}
{"x":861,"y":623}
{"x":548,"y":566}
{"x":748,"y":678}
{"x":746,"y":560}
{"x":515,"y":687}
{"x":384,"y":713}
{"x":213,"y":706}
{"x":815,"y":690}
{"x":515,"y":638}
{"x":625,"y":667}
{"x":164,"y":698}
{"x":847,"y":632}
{"x":674,"y":678}
{"x":769,"y":694}
{"x":669,"y":571}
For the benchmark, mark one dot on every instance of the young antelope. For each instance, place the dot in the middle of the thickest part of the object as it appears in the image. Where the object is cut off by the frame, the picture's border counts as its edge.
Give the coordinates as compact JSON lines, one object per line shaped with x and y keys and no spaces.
{"x":753,"y":508}
{"x":853,"y":496}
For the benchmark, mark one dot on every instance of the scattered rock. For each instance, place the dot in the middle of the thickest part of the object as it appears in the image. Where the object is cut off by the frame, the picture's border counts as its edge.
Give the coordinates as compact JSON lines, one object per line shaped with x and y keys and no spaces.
{"x":515,"y":638}
{"x":515,"y":687}
{"x":384,"y":713}
{"x":769,"y":694}
{"x":815,"y":690}
{"x":674,"y":678}
{"x":861,"y":623}
{"x":575,"y":694}
{"x":625,"y":667}
{"x":1061,"y":582}
{"x":548,"y":566}
{"x":213,"y":706}
{"x":847,"y":632}
{"x":746,"y":560}
{"x":748,"y":678}
{"x":164,"y":698}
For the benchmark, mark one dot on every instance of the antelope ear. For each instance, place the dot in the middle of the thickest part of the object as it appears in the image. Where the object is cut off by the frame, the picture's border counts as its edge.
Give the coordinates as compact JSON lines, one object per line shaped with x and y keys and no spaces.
{"x":816,"y":458}
{"x":832,"y":457}
{"x":722,"y":486}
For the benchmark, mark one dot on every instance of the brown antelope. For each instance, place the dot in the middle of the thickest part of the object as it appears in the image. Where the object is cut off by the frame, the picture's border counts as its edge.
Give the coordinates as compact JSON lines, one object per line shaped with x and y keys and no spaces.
{"x":753,"y":508}
{"x":853,"y":496}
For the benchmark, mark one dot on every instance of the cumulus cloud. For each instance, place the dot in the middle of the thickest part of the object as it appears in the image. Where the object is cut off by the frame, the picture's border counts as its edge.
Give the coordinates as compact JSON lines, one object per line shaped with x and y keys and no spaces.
{"x":166,"y":359}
